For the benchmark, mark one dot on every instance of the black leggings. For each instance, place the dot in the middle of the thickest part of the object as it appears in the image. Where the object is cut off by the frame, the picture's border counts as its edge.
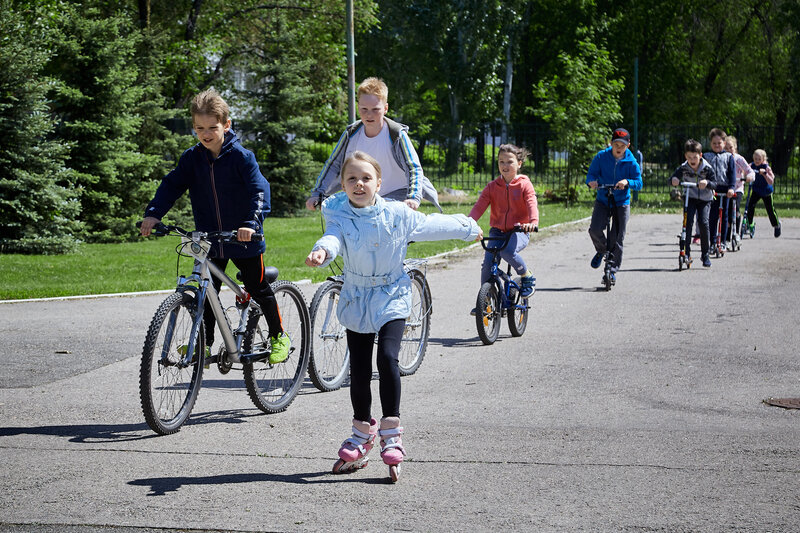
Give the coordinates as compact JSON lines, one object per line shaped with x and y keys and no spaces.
{"x":252,"y":269}
{"x":360,"y":346}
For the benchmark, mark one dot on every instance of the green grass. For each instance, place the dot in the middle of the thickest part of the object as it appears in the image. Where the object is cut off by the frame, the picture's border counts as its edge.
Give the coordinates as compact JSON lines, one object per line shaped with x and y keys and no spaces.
{"x":150,"y":264}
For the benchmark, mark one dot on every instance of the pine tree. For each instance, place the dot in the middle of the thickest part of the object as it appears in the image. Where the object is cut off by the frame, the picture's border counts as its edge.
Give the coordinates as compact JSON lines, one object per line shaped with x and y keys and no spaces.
{"x":97,"y":99}
{"x":38,"y":205}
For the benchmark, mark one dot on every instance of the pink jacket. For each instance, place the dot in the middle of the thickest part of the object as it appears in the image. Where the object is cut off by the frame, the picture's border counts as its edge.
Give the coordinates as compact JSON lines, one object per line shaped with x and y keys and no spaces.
{"x":512,"y":203}
{"x":743,"y":171}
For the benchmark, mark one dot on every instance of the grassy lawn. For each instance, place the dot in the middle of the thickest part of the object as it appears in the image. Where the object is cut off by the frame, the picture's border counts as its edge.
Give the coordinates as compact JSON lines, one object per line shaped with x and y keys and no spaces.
{"x":150,"y":264}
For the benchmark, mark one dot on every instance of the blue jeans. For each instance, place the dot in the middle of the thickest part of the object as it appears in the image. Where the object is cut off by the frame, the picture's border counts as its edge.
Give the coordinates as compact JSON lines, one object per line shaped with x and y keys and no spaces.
{"x":516,"y":243}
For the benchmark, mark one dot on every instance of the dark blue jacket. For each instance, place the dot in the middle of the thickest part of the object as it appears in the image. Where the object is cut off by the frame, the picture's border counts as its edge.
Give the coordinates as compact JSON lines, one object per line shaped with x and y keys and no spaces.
{"x":724,"y":170}
{"x":227,"y":193}
{"x":760,"y":185}
{"x":605,"y":169}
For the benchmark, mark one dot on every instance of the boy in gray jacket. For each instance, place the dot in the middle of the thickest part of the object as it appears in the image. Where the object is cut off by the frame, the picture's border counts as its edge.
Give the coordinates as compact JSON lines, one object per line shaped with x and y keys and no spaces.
{"x":698,"y":171}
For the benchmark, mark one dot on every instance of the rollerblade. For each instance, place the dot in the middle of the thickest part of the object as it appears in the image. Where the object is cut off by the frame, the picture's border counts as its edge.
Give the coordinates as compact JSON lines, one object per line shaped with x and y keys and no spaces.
{"x":353,"y":453}
{"x":392,"y":450}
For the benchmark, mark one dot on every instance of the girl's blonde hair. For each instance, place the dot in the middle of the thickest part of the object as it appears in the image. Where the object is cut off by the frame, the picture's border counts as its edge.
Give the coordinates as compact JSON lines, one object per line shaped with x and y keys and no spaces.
{"x":361,"y":156}
{"x":761,"y":153}
{"x":731,"y":139}
{"x":375,"y":87}
{"x":209,"y":102}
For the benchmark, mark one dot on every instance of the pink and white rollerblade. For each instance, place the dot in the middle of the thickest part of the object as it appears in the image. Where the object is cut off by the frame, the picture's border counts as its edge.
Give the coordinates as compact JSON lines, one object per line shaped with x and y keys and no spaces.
{"x":392,"y":451}
{"x":353,"y":453}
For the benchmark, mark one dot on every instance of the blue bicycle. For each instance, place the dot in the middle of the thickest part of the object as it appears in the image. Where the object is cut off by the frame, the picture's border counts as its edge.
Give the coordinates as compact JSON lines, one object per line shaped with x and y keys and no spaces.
{"x":500,"y":297}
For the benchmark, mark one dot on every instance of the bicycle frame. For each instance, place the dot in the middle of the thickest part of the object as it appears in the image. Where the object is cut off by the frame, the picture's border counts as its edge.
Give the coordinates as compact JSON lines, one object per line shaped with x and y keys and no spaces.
{"x":199,"y":283}
{"x":498,"y":275}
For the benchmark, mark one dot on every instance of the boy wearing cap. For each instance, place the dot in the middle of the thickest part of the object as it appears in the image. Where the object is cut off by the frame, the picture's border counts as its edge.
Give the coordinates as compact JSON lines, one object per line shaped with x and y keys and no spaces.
{"x":613,"y":166}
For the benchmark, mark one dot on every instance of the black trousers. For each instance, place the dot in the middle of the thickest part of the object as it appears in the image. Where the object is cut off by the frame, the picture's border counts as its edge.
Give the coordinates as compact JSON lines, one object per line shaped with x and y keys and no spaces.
{"x":252,"y":269}
{"x":360,"y":345}
{"x":768,"y":205}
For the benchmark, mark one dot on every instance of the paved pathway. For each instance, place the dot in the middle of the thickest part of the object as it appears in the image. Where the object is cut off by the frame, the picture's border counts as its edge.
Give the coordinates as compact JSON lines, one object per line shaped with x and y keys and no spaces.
{"x":635,"y":410}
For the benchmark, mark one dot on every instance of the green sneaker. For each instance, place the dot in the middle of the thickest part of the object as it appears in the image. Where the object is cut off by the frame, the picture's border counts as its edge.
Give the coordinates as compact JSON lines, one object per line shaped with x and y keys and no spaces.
{"x":182,"y":351}
{"x":280,"y":348}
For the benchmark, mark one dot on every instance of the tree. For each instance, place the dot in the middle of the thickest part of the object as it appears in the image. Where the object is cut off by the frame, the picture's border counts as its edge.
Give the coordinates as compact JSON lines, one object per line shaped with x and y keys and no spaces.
{"x":95,"y":98}
{"x":38,"y":207}
{"x":580,"y":103}
{"x":455,"y":49}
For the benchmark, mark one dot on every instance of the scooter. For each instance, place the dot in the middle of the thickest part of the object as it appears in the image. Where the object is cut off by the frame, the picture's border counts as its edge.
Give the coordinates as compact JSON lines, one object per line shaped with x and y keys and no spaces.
{"x":748,"y":228}
{"x":683,"y":259}
{"x":734,"y":217}
{"x":718,"y":248}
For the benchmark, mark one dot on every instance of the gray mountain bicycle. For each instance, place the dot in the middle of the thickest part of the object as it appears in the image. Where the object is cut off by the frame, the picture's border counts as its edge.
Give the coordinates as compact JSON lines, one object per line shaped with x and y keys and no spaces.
{"x":174,"y":353}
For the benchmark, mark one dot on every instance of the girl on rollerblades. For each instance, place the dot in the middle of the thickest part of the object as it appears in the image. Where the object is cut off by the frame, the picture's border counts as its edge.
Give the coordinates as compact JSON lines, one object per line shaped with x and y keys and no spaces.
{"x":372,"y":236}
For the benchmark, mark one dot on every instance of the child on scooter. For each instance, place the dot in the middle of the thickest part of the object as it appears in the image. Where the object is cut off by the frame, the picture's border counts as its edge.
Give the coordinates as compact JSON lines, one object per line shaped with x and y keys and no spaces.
{"x":725,"y":172}
{"x":372,"y":236}
{"x":614,"y":165}
{"x":698,"y":171}
{"x":743,"y":174}
{"x":512,"y":200}
{"x":763,"y":187}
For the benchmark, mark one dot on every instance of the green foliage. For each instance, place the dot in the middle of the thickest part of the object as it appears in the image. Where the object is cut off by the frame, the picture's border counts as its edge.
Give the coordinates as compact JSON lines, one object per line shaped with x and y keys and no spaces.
{"x":96,"y":97}
{"x":580,"y":103}
{"x":38,"y":207}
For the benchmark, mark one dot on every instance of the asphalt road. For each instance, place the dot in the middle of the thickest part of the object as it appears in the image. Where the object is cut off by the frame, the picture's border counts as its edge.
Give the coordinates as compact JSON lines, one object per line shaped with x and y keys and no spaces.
{"x":640,"y":409}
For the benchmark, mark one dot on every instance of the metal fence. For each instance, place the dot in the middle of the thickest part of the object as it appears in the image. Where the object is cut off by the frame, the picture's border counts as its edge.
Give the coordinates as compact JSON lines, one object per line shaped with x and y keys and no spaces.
{"x":471,"y":162}
{"x":661,"y":147}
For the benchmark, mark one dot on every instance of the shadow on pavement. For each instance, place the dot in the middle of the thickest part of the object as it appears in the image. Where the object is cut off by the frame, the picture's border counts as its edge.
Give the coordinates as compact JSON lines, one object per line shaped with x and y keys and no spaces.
{"x":97,"y":433}
{"x":160,"y":486}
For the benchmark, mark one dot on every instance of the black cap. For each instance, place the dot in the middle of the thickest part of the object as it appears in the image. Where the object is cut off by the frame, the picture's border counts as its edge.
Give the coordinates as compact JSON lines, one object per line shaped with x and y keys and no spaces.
{"x":621,"y":134}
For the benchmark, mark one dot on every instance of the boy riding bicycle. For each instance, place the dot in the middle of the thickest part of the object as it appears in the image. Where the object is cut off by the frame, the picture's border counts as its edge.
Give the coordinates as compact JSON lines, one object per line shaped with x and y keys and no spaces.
{"x":227,"y":191}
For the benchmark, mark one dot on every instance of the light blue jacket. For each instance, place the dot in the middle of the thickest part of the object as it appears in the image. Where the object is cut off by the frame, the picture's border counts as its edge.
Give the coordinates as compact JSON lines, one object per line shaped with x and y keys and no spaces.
{"x":373,"y":242}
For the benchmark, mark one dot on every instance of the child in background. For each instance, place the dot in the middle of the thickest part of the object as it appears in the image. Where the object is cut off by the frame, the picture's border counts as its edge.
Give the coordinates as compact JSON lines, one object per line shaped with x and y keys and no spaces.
{"x":614,"y":165}
{"x":372,"y":236}
{"x":513,"y":203}
{"x":743,"y":174}
{"x":385,"y":140}
{"x":762,"y":189}
{"x":228,"y":192}
{"x":725,"y":172}
{"x":698,"y":171}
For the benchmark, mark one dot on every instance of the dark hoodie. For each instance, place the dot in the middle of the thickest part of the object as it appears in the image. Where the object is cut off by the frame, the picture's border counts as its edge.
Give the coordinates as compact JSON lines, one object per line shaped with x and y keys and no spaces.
{"x":227,"y":193}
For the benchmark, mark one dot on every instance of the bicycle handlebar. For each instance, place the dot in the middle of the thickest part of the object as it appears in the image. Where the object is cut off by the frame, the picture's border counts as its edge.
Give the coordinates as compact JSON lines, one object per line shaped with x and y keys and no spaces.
{"x":688,"y":184}
{"x":515,"y":229}
{"x":162,"y":230}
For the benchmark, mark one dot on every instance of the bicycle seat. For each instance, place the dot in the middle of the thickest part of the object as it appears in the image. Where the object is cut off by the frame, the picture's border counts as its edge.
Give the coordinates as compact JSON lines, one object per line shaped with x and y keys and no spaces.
{"x":270,"y":273}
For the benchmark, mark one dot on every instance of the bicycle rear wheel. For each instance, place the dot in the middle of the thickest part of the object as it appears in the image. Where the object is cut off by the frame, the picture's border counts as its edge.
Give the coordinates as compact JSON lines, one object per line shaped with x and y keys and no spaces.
{"x":274,"y":387}
{"x":488,"y":313}
{"x":329,"y":363}
{"x":168,"y":387}
{"x":418,"y":325}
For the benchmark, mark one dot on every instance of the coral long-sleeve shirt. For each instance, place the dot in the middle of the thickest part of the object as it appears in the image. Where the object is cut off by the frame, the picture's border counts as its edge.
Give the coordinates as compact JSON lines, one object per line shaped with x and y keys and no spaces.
{"x":511,"y":203}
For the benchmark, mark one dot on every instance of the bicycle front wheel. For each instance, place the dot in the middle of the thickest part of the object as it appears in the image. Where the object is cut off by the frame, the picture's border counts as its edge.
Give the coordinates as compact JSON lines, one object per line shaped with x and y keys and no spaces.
{"x":418,"y":325}
{"x":518,"y":317}
{"x":168,"y":386}
{"x":273,"y":387}
{"x":329,"y":363}
{"x":488,"y":313}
